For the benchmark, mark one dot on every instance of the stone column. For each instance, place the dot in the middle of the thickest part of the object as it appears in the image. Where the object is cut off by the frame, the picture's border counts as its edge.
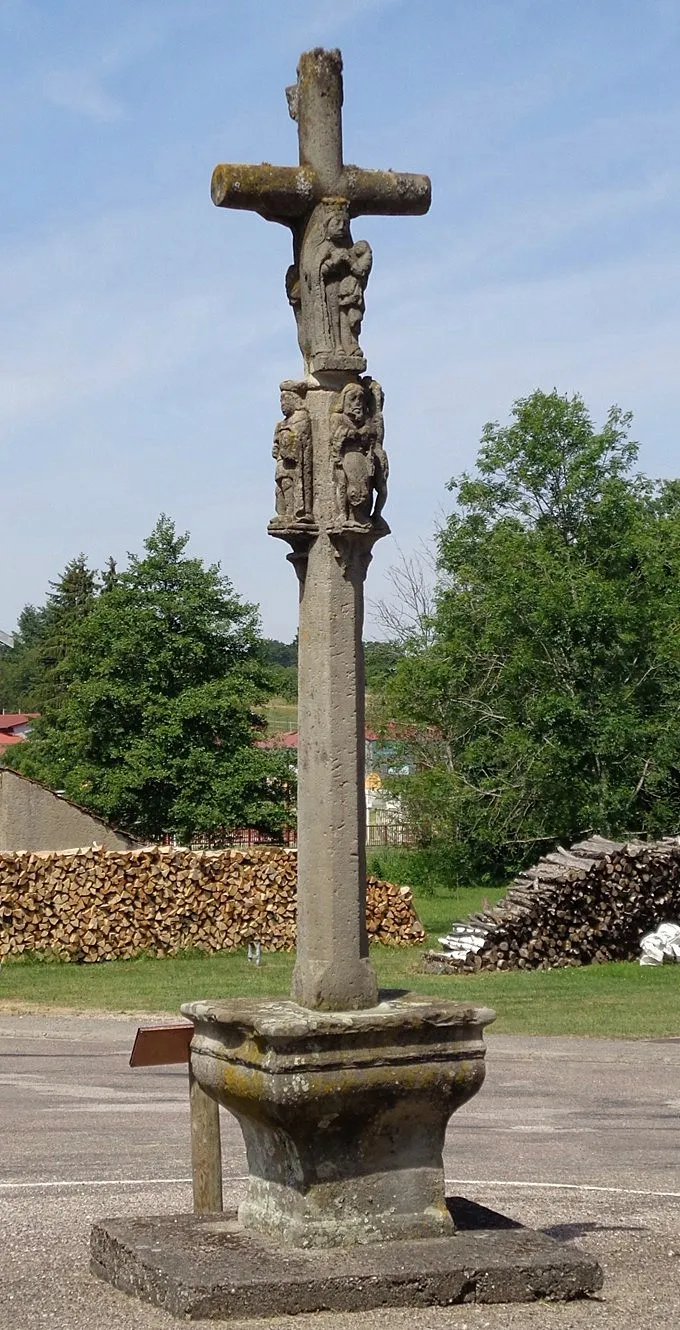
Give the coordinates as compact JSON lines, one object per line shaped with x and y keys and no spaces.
{"x":331,"y":487}
{"x":332,"y":969}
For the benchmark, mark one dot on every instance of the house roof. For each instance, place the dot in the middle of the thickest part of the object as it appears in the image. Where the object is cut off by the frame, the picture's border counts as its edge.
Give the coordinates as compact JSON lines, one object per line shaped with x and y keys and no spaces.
{"x":282,"y":739}
{"x":7,"y":739}
{"x":9,"y":720}
{"x":289,"y":739}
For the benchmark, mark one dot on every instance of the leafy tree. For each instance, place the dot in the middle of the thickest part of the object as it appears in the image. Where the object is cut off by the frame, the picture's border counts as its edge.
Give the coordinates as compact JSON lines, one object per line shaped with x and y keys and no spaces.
{"x":110,"y":574}
{"x":380,"y":659}
{"x":19,"y":666}
{"x":156,"y":731}
{"x":31,"y":677}
{"x":281,"y":658}
{"x":284,"y":654}
{"x":547,"y":703}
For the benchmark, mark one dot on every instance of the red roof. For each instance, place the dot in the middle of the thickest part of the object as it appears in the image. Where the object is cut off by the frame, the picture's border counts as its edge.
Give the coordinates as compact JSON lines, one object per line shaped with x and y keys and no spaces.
{"x":394,"y":732}
{"x":282,"y":739}
{"x":289,"y":739}
{"x":9,"y":720}
{"x":7,"y":739}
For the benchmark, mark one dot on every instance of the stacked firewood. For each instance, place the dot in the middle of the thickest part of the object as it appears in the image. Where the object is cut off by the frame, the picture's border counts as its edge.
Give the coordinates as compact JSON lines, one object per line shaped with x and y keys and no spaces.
{"x":593,"y":902}
{"x":390,"y":914}
{"x":96,"y":904}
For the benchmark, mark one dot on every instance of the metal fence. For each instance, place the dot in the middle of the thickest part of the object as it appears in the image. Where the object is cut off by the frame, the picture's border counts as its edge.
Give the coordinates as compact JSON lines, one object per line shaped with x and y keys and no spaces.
{"x":245,"y":838}
{"x":389,"y":833}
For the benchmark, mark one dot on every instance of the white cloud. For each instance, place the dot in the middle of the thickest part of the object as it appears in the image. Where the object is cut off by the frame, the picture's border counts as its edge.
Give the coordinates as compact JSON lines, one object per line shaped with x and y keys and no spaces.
{"x":110,"y":306}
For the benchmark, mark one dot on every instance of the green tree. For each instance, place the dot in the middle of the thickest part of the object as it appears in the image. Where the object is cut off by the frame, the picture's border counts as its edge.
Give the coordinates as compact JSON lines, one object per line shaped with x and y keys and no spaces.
{"x":281,"y":659}
{"x":547,"y":703}
{"x":284,"y":654}
{"x":20,"y":665}
{"x":157,"y":729}
{"x":31,"y":674}
{"x":380,"y":660}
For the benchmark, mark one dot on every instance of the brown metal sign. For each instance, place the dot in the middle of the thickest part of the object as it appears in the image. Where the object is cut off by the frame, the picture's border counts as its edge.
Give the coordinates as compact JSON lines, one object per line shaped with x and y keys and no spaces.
{"x":157,"y":1045}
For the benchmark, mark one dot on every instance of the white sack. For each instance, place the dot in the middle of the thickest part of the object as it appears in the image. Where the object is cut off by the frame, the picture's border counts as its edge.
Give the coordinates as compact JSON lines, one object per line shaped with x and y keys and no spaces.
{"x":661,"y":947}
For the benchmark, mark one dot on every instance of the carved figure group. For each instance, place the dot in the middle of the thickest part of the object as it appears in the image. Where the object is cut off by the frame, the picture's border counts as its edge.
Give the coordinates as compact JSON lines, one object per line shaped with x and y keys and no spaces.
{"x":292,"y":452}
{"x":360,"y":466}
{"x":327,"y":290}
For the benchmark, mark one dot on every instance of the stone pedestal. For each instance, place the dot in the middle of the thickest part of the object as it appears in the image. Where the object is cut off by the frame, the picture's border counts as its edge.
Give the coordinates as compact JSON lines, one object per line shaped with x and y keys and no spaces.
{"x":343,"y":1113}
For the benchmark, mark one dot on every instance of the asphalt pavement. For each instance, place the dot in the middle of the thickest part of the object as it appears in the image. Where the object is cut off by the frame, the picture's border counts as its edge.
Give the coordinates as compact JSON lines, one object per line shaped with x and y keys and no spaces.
{"x":580,"y":1138}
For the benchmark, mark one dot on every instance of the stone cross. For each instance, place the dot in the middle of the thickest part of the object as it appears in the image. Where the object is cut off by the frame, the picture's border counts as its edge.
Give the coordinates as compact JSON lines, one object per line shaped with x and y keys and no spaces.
{"x":330,"y":490}
{"x":343,"y":1110}
{"x":316,"y":200}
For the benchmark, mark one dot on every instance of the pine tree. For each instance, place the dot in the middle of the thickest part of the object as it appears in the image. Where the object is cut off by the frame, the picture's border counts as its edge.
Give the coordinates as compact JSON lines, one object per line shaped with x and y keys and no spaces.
{"x":31,"y":674}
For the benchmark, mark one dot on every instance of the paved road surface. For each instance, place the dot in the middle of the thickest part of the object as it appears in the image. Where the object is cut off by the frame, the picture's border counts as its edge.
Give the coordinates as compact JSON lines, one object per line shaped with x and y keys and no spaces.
{"x":579,"y":1137}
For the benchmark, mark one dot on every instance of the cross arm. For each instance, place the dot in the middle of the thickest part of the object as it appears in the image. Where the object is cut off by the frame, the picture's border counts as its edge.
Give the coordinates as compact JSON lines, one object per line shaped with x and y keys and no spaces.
{"x":284,"y":193}
{"x":277,"y":193}
{"x":386,"y":193}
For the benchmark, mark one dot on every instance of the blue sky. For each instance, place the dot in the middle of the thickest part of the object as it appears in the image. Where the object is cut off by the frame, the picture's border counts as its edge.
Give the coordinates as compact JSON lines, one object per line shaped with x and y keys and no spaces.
{"x":144,"y":332}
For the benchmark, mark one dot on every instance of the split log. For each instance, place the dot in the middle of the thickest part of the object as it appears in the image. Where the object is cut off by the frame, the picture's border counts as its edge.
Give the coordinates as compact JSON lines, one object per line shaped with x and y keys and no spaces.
{"x":591,"y":903}
{"x":96,"y":904}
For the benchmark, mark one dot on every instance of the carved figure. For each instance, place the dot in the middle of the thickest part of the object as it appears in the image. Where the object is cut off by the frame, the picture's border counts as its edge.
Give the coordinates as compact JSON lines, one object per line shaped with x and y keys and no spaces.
{"x":328,"y":293}
{"x":292,"y":452}
{"x":376,"y":425}
{"x":295,"y":301}
{"x":359,"y":460}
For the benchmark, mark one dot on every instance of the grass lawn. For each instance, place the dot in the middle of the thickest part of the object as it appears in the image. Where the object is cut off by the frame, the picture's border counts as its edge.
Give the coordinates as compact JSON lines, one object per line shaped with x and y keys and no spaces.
{"x":619,"y":1000}
{"x":280,"y":715}
{"x":438,"y":910}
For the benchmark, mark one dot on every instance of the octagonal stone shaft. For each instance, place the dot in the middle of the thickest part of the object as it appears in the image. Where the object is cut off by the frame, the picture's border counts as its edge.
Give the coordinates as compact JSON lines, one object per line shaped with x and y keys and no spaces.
{"x":332,"y":968}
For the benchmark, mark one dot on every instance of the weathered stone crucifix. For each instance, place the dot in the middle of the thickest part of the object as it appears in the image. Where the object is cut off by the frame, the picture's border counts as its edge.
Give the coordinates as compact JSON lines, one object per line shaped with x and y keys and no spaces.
{"x":316,"y":200}
{"x":331,"y":486}
{"x":343,"y":1099}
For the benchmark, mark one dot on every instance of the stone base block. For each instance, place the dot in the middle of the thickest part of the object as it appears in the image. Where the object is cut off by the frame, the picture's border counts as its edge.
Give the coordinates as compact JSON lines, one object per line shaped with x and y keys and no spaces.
{"x":209,"y":1267}
{"x":343,"y":1114}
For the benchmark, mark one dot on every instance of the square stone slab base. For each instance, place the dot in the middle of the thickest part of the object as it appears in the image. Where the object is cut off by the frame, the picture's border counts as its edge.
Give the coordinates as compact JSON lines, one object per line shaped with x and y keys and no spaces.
{"x":206,"y":1266}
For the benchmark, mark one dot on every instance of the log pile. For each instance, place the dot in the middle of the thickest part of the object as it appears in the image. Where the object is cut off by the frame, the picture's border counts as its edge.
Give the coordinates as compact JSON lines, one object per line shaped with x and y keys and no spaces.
{"x":591,"y":903}
{"x":97,"y":905}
